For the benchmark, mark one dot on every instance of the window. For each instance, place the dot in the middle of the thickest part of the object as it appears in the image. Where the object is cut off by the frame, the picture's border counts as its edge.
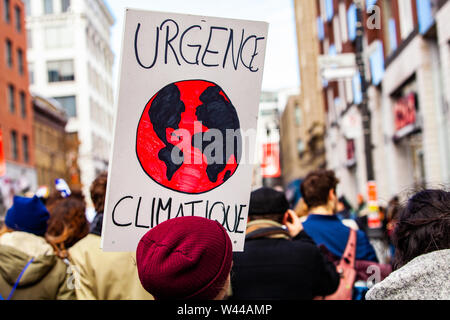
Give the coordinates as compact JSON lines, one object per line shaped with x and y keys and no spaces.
{"x":18,"y":19}
{"x":320,"y":28}
{"x":11,"y":100}
{"x":60,"y":71}
{"x":25,"y":147}
{"x":425,"y":15}
{"x":48,"y":6}
{"x":376,"y":60}
{"x":27,"y":7}
{"x":14,"y":147}
{"x":69,"y":104}
{"x":65,"y":5}
{"x":6,"y":12}
{"x":20,"y":61}
{"x":23,"y":104}
{"x":300,"y":147}
{"x":389,"y":27}
{"x":9,"y":59}
{"x":351,"y":22}
{"x":337,"y":34}
{"x":30,"y":39}
{"x":343,"y":21}
{"x":329,"y":9}
{"x":58,"y":37}
{"x":31,"y":73}
{"x":298,"y":116}
{"x":406,"y":18}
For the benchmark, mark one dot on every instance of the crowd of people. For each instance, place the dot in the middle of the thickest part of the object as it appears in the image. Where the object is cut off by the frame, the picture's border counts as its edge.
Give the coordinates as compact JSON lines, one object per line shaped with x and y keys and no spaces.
{"x":320,"y":249}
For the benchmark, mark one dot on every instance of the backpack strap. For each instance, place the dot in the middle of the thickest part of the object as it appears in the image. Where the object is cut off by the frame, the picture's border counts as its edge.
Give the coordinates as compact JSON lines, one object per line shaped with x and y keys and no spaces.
{"x":18,"y":280}
{"x":350,"y":249}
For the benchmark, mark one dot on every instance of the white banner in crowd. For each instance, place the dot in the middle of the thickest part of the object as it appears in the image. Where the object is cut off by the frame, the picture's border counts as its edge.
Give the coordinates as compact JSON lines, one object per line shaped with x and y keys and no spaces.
{"x":188,"y":97}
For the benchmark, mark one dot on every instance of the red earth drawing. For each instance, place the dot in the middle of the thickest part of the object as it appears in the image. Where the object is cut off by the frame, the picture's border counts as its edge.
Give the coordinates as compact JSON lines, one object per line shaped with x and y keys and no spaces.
{"x":168,"y":125}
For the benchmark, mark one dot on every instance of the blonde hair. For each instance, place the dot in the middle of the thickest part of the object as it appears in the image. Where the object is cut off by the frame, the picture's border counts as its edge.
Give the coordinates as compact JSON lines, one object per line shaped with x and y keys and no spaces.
{"x":4,"y":229}
{"x":301,"y":209}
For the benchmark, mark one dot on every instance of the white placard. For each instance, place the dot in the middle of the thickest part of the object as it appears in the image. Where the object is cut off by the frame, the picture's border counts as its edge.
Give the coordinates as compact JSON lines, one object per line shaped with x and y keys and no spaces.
{"x":184,"y":80}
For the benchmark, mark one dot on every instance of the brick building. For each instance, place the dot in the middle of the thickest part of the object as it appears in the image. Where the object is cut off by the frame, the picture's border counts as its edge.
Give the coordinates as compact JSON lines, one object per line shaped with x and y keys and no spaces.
{"x":407,"y":67}
{"x":16,"y":113}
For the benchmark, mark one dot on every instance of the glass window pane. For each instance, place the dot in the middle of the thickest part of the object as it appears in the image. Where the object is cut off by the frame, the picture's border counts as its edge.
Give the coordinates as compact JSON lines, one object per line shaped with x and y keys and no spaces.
{"x":65,"y":4}
{"x":58,"y":37}
{"x":9,"y":60}
{"x":12,"y":103}
{"x":20,"y":60}
{"x":69,"y":105}
{"x":14,"y":149}
{"x":30,"y":39}
{"x":23,"y":105}
{"x":26,"y":155}
{"x":18,"y":19}
{"x":60,"y":71}
{"x":31,"y":73}
{"x":27,"y":7}
{"x":6,"y":11}
{"x":48,"y":6}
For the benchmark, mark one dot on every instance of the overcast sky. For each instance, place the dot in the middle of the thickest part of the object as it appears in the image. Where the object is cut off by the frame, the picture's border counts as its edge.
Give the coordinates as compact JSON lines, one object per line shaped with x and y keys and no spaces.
{"x":281,"y":65}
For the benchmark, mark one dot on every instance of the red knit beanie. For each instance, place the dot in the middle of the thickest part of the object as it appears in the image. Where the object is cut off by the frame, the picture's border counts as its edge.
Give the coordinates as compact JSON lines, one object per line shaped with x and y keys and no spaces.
{"x":185,"y":258}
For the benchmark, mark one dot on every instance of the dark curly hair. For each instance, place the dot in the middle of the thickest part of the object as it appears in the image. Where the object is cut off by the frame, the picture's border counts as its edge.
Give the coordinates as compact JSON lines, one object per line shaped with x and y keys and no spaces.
{"x":67,"y":225}
{"x":423,"y":226}
{"x":316,"y":187}
{"x":98,"y":192}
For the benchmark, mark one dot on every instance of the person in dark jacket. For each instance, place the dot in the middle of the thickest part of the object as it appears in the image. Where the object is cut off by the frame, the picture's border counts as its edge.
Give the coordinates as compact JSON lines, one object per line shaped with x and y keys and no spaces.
{"x":323,"y":226}
{"x":279,"y":262}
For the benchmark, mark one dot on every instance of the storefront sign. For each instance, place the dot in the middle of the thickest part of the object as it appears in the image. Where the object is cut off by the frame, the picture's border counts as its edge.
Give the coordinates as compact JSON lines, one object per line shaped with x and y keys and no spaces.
{"x":271,"y":161}
{"x":405,"y":116}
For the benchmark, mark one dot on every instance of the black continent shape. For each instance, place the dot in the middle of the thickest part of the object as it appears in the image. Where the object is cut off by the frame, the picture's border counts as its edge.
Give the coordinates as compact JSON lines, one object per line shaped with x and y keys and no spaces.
{"x":218,"y":113}
{"x":165,"y":112}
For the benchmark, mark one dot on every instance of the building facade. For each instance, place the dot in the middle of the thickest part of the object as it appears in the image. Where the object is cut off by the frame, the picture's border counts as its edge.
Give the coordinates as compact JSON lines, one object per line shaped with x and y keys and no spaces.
{"x":16,"y":112}
{"x":70,"y":60}
{"x":406,"y":59}
{"x":303,"y":119}
{"x":55,"y":153}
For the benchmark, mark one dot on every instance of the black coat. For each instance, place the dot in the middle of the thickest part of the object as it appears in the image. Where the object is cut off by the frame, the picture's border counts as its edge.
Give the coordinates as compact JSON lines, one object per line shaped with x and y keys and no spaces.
{"x":282,"y":269}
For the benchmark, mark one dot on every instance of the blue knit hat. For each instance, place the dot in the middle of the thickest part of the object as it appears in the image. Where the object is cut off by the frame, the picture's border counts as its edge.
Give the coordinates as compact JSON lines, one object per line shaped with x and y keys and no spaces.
{"x":27,"y":215}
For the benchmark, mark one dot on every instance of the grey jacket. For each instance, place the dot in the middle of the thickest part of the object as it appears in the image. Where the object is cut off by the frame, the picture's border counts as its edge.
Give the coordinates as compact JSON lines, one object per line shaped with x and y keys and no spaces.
{"x":426,"y":277}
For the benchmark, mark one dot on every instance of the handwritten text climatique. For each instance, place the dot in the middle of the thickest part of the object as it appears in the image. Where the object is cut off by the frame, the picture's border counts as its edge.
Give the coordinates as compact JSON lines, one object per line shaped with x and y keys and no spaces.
{"x":148,"y":215}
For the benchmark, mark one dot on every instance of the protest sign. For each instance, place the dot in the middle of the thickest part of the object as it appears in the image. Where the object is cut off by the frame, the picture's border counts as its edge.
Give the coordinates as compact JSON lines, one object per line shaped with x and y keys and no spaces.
{"x":187,"y":107}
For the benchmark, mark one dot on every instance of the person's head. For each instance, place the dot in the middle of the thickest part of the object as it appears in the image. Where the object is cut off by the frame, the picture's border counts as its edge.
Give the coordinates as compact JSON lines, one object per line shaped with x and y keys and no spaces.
{"x":319,"y":189}
{"x":56,"y":196}
{"x":185,"y":258}
{"x":423,"y":226}
{"x":98,"y":192}
{"x":360,"y":199}
{"x":343,"y":204}
{"x":393,"y":209}
{"x":27,"y":215}
{"x":267,"y":204}
{"x":67,"y":225}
